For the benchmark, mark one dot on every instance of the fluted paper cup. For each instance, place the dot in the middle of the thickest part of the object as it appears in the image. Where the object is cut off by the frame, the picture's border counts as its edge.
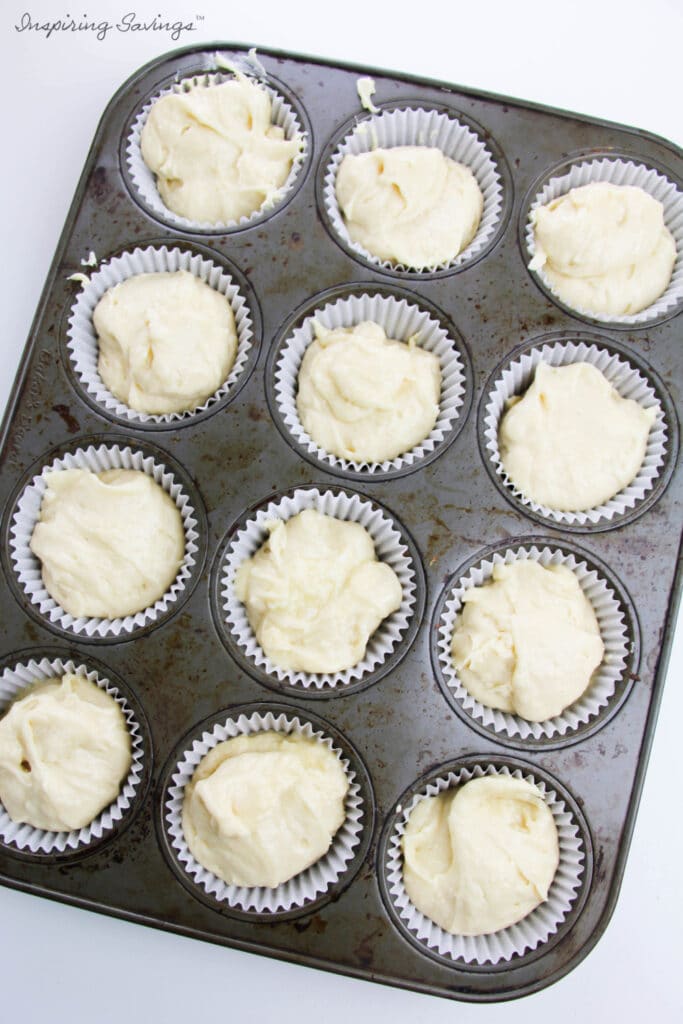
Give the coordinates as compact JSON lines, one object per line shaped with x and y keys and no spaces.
{"x":619,"y":171}
{"x":13,"y":682}
{"x":401,"y":320}
{"x":309,"y":884}
{"x":28,"y":568}
{"x":518,"y":939}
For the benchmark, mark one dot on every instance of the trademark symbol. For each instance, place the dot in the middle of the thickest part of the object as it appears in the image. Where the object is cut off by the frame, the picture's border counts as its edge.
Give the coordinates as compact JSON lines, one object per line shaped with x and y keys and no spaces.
{"x":199,"y":17}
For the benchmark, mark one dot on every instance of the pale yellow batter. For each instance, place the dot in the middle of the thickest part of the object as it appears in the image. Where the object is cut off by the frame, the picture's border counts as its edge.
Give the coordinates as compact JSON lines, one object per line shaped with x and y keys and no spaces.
{"x":110,"y":543}
{"x":604,"y":248}
{"x":527,"y":642}
{"x":316,"y":592}
{"x":262,"y":808}
{"x":480,"y":857}
{"x":365,"y":397}
{"x":571,"y":442}
{"x":409,"y":204}
{"x":64,"y":752}
{"x":167,"y":341}
{"x":215,"y":153}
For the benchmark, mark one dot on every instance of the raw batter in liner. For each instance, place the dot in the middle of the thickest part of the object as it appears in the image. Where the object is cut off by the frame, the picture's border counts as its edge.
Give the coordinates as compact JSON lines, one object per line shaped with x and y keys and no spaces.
{"x":409,"y":204}
{"x":167,"y":341}
{"x":110,"y":543}
{"x":604,"y":248}
{"x":64,"y":752}
{"x":482,"y":856}
{"x":216,"y":155}
{"x":571,"y":442}
{"x":264,"y":807}
{"x":528,"y":641}
{"x":315,"y":592}
{"x":365,"y":397}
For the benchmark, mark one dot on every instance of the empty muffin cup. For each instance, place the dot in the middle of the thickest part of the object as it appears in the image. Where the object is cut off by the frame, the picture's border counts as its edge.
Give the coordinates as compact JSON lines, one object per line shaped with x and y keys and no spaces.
{"x":313,"y":884}
{"x":625,"y":376}
{"x":27,"y":567}
{"x":402,"y":320}
{"x":143,"y":181}
{"x":37,"y":841}
{"x":428,"y":128}
{"x":530,"y":933}
{"x":615,"y":171}
{"x":82,"y":342}
{"x":392,"y":546}
{"x":609,"y":682}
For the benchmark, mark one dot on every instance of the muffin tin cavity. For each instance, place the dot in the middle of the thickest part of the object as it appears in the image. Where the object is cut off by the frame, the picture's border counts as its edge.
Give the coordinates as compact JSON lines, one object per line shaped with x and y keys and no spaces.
{"x":419,"y":124}
{"x":403,"y":316}
{"x":610,"y":683}
{"x":617,"y":169}
{"x":322,"y":881}
{"x":287,"y":113}
{"x":534,"y":934}
{"x":80,"y":342}
{"x":631,"y":377}
{"x":390,"y":641}
{"x":30,"y":668}
{"x":98,"y":454}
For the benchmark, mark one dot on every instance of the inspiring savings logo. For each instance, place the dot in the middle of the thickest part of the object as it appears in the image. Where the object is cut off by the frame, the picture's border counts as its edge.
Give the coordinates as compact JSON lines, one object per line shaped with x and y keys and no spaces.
{"x":102,"y":29}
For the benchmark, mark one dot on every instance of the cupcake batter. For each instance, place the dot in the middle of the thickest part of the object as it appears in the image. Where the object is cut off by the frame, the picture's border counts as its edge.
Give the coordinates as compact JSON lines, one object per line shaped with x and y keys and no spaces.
{"x":366,"y":397}
{"x":316,"y":592}
{"x":409,"y":204}
{"x":215,"y":153}
{"x":480,"y":857}
{"x":64,"y":752}
{"x":167,"y":341}
{"x":528,"y":642}
{"x":571,"y":442}
{"x":110,"y":543}
{"x":604,"y":248}
{"x":264,"y":807}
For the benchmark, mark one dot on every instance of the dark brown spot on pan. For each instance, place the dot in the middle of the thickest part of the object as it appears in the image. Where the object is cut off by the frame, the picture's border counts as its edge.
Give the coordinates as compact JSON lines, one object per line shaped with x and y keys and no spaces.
{"x":72,"y":424}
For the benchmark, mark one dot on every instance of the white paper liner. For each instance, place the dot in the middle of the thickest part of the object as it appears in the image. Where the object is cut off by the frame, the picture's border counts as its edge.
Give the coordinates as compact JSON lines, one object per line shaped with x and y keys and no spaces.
{"x":144,"y":179}
{"x":418,"y":127}
{"x":36,"y":840}
{"x":308,"y":885}
{"x":625,"y":378}
{"x":27,"y":565}
{"x":619,"y":172}
{"x":518,"y":939}
{"x":401,"y":320}
{"x":388,"y":547}
{"x":82,"y":338}
{"x":605,"y":679}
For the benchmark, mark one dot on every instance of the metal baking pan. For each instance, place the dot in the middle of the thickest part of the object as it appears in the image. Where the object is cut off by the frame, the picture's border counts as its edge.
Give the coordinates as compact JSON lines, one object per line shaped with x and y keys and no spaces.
{"x":402,"y":726}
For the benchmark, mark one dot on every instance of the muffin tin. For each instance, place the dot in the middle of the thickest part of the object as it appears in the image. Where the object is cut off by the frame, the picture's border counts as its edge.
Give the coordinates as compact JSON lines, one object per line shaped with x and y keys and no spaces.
{"x":400,"y":726}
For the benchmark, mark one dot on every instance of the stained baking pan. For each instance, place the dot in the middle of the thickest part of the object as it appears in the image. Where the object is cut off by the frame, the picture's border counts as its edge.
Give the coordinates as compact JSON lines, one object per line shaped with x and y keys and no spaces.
{"x":400,"y":723}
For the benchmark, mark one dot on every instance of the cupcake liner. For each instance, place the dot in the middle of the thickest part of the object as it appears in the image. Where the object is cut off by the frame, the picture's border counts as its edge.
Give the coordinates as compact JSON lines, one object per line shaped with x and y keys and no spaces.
{"x":389,"y":548}
{"x":605,"y":679}
{"x":41,"y":841}
{"x":27,"y":566}
{"x":144,"y":180}
{"x":400,"y":319}
{"x":618,"y":172}
{"x":83,"y":344}
{"x":518,"y":939}
{"x":309,"y":884}
{"x":419,"y":127}
{"x":628,"y":380}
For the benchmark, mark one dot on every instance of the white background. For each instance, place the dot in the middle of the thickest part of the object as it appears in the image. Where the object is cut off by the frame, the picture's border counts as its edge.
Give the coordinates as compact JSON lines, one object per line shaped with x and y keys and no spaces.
{"x":615,"y":59}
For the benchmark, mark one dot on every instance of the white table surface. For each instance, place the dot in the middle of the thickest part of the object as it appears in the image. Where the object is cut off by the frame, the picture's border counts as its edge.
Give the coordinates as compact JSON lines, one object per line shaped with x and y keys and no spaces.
{"x":604,"y":58}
